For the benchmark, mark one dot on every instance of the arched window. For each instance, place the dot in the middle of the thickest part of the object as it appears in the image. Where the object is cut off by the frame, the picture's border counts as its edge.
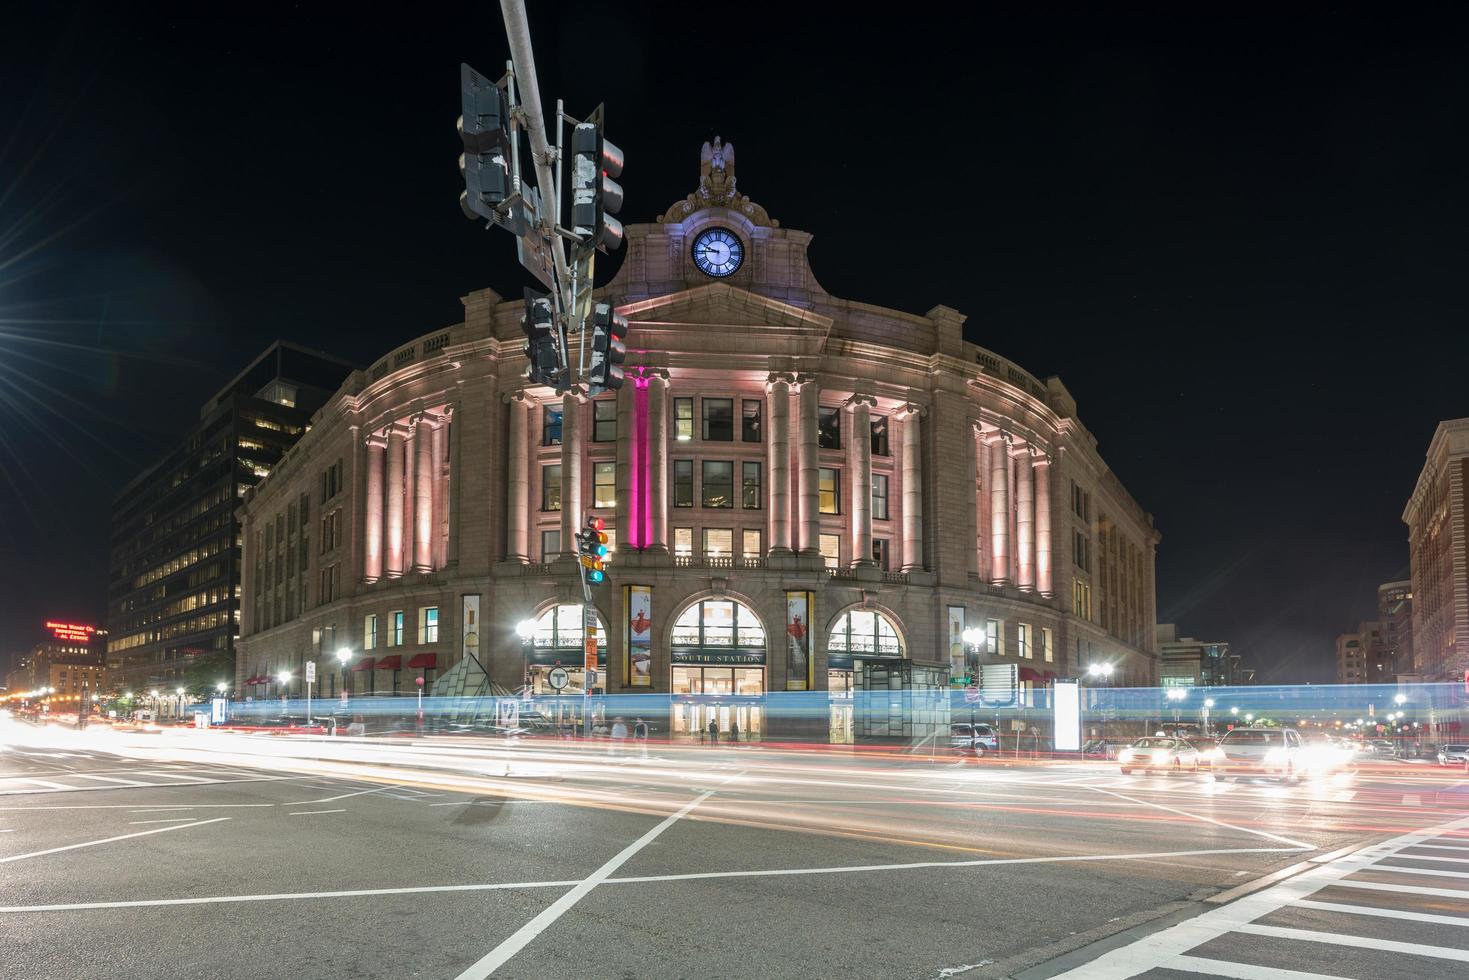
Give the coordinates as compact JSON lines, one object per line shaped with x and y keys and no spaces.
{"x":560,"y":628}
{"x":865,"y":631}
{"x":719,"y":623}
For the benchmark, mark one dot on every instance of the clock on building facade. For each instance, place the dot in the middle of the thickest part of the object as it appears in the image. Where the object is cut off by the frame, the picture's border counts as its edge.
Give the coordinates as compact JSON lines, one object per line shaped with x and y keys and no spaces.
{"x":718,"y":253}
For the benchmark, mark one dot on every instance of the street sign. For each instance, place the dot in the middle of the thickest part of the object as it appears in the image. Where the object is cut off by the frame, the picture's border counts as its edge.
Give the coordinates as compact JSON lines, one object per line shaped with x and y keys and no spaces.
{"x":311,"y":671}
{"x":557,"y":677}
{"x":971,"y":695}
{"x":999,"y":683}
{"x":590,"y":651}
{"x":591,"y":680}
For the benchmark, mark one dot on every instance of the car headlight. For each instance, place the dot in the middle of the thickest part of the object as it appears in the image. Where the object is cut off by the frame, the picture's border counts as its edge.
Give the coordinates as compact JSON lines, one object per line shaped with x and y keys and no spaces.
{"x":1275,"y":755}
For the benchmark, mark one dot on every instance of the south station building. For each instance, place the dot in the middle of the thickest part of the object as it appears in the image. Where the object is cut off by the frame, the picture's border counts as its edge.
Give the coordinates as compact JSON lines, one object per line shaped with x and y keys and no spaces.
{"x":791,"y":482}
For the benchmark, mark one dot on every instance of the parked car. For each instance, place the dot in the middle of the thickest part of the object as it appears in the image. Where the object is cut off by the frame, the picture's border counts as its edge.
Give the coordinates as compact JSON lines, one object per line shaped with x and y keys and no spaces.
{"x":1159,"y":752}
{"x":1453,"y":755}
{"x":976,"y":739}
{"x":1206,"y":747}
{"x":1269,"y":752}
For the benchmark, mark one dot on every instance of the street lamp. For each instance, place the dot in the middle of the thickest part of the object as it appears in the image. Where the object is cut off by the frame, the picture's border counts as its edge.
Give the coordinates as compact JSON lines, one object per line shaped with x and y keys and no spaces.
{"x":1249,"y":718}
{"x":1177,"y":695}
{"x":1398,"y":699}
{"x":221,"y":687}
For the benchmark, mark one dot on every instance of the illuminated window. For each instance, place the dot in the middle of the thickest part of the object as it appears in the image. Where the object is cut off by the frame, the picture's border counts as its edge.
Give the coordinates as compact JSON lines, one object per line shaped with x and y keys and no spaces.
{"x":750,"y":496}
{"x":369,"y":632}
{"x":994,"y":637}
{"x":604,"y":485}
{"x":395,"y":634}
{"x":831,"y":549}
{"x":550,"y":544}
{"x":683,"y":419}
{"x":428,"y":624}
{"x":1022,"y":640}
{"x":551,"y":487}
{"x":829,"y":428}
{"x":718,"y":542}
{"x":750,"y":544}
{"x":1048,"y":652}
{"x":865,"y":631}
{"x":719,"y":623}
{"x":550,"y":426}
{"x":750,"y":420}
{"x":880,"y":436}
{"x":683,"y":541}
{"x":604,"y":420}
{"x":829,"y":488}
{"x":880,"y":549}
{"x":879,"y":497}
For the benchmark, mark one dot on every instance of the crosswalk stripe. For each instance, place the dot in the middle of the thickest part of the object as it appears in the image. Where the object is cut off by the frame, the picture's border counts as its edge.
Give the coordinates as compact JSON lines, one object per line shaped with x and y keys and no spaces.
{"x":1359,"y":942}
{"x":1386,"y":913}
{"x":1241,"y":971}
{"x":41,"y":782}
{"x":1444,"y":847}
{"x":1418,"y":871}
{"x":1397,"y":889}
{"x":1432,"y":857}
{"x":113,"y":779}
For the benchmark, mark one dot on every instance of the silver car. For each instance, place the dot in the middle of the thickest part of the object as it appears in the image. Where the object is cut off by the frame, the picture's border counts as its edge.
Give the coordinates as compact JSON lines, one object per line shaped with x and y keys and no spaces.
{"x":1453,"y":755}
{"x":1246,"y":752}
{"x":1159,"y":752}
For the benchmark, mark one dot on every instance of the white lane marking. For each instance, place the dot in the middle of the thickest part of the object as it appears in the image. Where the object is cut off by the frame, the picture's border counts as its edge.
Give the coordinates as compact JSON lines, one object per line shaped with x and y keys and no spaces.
{"x":1444,"y":847}
{"x":501,"y":954}
{"x":1386,"y":913}
{"x":108,"y":840}
{"x":1243,"y":971}
{"x":312,"y":813}
{"x":161,"y":809}
{"x":333,"y":799}
{"x":1418,"y":871}
{"x":286,"y":896}
{"x":1359,"y":942}
{"x":133,"y":806}
{"x":113,"y":779}
{"x":1167,"y":947}
{"x":1218,"y":823}
{"x":1397,"y":889}
{"x":7,"y":830}
{"x":1431,"y":857}
{"x":1410,"y":799}
{"x":166,"y":820}
{"x":40,"y":782}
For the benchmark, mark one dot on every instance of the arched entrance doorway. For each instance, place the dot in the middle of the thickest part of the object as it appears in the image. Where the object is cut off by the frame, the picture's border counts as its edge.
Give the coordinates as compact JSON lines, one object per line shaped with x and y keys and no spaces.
{"x":857,"y":634}
{"x":718,"y":666}
{"x":558,"y":639}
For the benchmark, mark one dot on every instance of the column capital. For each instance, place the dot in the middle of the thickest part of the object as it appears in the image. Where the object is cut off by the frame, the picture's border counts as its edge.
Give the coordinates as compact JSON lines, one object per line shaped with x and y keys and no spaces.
{"x":577,"y":393}
{"x":860,"y":399}
{"x":1019,"y":446}
{"x":398,"y":428}
{"x":908,"y":409}
{"x":1039,"y":457}
{"x":802,"y":380}
{"x":376,"y":440}
{"x":779,"y":377}
{"x":992,"y":434}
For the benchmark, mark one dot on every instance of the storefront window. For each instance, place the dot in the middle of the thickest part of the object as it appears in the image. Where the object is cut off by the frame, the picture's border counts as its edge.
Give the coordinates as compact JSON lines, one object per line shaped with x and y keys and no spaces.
{"x":560,"y":628}
{"x":865,"y":631}
{"x":718,"y":623}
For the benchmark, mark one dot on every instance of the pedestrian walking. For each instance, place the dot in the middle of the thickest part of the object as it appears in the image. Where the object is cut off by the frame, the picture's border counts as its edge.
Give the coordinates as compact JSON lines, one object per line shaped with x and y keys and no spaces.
{"x":713,"y":730}
{"x":734,"y":730}
{"x":640,"y":734}
{"x":619,"y":735}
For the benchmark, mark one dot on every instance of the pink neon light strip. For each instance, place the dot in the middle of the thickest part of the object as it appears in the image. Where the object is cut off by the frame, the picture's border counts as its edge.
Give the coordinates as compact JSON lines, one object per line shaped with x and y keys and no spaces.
{"x":641,"y":518}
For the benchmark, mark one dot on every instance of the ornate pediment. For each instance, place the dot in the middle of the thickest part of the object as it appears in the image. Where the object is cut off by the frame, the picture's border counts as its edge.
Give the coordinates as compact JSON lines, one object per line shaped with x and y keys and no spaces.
{"x":717,"y":189}
{"x":725,"y":305}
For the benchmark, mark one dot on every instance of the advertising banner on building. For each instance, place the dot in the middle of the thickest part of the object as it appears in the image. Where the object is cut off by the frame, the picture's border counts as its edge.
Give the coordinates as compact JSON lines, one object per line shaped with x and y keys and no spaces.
{"x":469,"y":626}
{"x":799,"y":659}
{"x":1066,"y":699}
{"x":956,"y":642}
{"x":637,"y":652}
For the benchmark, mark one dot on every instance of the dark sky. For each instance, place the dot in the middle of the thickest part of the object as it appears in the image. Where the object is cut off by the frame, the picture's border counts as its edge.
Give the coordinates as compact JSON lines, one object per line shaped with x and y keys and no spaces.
{"x":1239,"y":240}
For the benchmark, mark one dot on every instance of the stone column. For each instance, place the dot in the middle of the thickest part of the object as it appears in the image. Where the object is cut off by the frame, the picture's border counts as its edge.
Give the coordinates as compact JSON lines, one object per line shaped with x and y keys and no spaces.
{"x":1024,"y":519}
{"x":423,"y":498}
{"x":912,"y":488}
{"x":410,"y":493}
{"x":571,"y":453}
{"x":628,"y":534}
{"x":982,"y":506}
{"x":999,"y":450}
{"x":393,"y":503}
{"x":517,"y":506}
{"x":860,"y":454}
{"x":809,"y":496}
{"x":778,"y":443}
{"x":372,"y":531}
{"x":657,"y":462}
{"x":441,"y":490}
{"x":1042,"y":472}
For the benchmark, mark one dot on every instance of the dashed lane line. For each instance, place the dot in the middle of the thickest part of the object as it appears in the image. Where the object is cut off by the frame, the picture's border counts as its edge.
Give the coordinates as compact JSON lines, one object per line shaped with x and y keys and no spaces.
{"x":107,"y":840}
{"x":312,"y":813}
{"x":135,"y":823}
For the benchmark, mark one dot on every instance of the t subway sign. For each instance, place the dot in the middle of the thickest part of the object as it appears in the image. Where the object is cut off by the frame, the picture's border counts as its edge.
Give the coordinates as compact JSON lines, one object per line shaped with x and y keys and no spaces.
{"x":71,"y":631}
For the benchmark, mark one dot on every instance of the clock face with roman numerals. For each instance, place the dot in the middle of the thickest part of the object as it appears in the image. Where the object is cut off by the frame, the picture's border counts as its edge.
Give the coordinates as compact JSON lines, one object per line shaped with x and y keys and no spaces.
{"x":718,"y":253}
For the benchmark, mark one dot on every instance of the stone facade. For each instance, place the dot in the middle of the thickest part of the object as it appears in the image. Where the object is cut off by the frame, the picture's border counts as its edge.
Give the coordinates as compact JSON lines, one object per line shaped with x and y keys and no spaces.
{"x":1438,"y":551}
{"x":770,"y":439}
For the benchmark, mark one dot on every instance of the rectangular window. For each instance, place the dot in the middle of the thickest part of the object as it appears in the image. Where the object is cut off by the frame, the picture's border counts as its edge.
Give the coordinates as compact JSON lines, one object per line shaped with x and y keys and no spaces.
{"x":1022,"y":640}
{"x":1080,"y":551}
{"x":550,"y":544}
{"x":750,"y":485}
{"x":550,"y":426}
{"x":395,"y":627}
{"x":683,"y":541}
{"x":829,"y":488}
{"x":1048,"y":652}
{"x":750,"y":421}
{"x":994,"y":638}
{"x":551,"y":487}
{"x":750,"y":546}
{"x":428,"y":625}
{"x":683,"y":483}
{"x":719,"y":419}
{"x":880,"y":550}
{"x":369,"y":633}
{"x":831,"y":549}
{"x":683,"y":419}
{"x":880,"y":436}
{"x":604,"y":485}
{"x":718,"y":542}
{"x":1081,"y":599}
{"x":879,"y":497}
{"x":604,"y":420}
{"x":829,"y":428}
{"x":718,"y":484}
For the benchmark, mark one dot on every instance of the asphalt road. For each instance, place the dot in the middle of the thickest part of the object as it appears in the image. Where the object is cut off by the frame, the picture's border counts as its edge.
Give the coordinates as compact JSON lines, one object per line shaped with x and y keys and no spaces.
{"x":214,"y":854}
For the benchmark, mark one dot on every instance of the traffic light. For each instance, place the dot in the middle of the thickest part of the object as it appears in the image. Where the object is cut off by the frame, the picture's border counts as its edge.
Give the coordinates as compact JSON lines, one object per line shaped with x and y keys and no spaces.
{"x":595,"y":196}
{"x":592,"y":548}
{"x":608,"y":349}
{"x":539,"y":324}
{"x":484,"y":126}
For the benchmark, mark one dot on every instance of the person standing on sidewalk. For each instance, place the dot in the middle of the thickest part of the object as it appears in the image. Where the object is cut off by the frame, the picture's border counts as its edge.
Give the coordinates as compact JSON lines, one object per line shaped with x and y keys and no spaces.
{"x":713,"y":731}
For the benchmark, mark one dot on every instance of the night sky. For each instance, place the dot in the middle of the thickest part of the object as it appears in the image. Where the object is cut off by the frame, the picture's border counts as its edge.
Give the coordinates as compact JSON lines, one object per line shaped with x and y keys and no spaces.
{"x":1239,"y":240}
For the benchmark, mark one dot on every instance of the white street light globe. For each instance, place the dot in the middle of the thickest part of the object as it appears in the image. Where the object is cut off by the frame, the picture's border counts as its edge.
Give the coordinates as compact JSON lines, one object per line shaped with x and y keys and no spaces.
{"x":1208,"y":702}
{"x":179,"y":691}
{"x":526,"y":628}
{"x":284,"y":677}
{"x":1234,"y":711}
{"x":1399,"y":699}
{"x":221,"y":687}
{"x":344,"y":655}
{"x":972,"y":636}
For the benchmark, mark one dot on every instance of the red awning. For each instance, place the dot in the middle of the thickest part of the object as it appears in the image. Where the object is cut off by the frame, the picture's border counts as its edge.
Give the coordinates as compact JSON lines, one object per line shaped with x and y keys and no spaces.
{"x":364,"y":664}
{"x":257,"y":679}
{"x":394,"y":662}
{"x":424,"y":661}
{"x":1027,"y":674}
{"x":1050,"y":675}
